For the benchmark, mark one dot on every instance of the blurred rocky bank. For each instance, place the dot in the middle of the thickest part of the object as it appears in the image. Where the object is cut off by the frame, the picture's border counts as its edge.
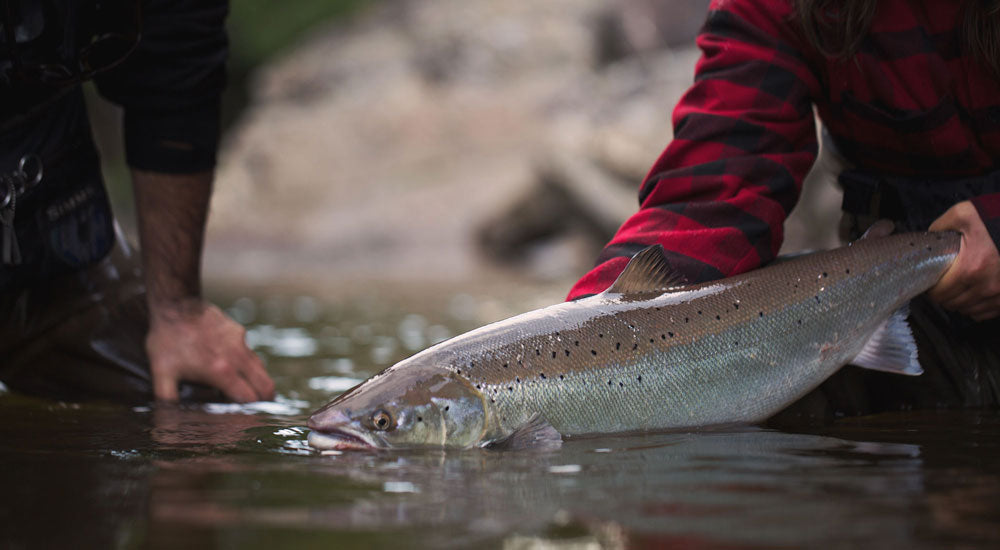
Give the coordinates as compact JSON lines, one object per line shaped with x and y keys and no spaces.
{"x":459,"y":144}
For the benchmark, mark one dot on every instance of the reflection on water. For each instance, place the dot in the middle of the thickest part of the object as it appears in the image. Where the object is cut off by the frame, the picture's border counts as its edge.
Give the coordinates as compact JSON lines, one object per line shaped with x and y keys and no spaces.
{"x":242,"y":476}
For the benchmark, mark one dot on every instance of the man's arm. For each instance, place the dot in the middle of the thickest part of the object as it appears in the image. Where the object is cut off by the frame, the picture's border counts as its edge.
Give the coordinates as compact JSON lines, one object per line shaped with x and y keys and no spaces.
{"x":189,"y":339}
{"x":972,"y":285}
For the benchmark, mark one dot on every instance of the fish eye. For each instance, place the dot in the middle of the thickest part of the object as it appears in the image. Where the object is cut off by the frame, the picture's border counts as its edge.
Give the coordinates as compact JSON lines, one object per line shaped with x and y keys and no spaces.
{"x":382,"y":420}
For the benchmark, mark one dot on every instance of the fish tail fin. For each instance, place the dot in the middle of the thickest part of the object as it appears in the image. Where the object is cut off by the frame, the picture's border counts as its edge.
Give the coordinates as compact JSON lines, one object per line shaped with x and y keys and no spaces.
{"x":891,"y":348}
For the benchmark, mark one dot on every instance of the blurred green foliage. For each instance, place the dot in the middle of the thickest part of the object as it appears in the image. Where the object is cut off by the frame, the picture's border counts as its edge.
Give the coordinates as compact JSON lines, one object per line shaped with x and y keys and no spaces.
{"x":260,"y":28}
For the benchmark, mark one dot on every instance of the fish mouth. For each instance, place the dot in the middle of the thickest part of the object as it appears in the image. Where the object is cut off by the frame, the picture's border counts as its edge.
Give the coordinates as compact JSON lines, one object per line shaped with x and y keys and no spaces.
{"x":338,"y":440}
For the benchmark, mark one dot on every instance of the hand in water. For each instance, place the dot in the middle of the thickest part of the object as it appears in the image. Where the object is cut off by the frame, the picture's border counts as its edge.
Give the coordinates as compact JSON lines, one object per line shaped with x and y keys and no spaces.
{"x":197,"y":342}
{"x":972,"y":285}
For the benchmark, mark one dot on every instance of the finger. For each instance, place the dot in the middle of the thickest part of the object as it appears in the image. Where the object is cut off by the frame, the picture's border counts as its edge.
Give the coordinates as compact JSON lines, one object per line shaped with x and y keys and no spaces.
{"x":984,"y":310}
{"x":226,"y":377}
{"x":164,"y":385}
{"x":985,"y":316}
{"x":970,"y":297}
{"x":254,"y":372}
{"x":949,"y":288}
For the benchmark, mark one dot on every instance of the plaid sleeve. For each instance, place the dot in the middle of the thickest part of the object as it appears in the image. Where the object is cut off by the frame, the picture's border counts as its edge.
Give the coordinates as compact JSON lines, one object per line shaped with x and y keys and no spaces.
{"x":744,"y":138}
{"x":988,"y":207}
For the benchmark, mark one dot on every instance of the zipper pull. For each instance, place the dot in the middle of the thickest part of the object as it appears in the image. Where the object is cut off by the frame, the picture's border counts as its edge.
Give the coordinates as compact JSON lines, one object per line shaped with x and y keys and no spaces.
{"x":10,"y":252}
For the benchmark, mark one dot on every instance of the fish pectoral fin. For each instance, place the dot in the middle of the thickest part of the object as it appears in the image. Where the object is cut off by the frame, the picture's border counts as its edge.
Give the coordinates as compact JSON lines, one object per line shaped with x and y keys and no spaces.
{"x":535,"y":434}
{"x":891,"y":348}
{"x":647,"y":271}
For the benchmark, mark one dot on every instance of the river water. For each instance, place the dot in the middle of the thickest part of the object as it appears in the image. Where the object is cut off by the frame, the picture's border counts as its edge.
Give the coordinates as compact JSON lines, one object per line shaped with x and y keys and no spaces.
{"x":228,"y":476}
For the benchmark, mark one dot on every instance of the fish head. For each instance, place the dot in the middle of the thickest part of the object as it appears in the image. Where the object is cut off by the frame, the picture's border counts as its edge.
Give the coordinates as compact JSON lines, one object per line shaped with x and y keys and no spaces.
{"x":415,"y":406}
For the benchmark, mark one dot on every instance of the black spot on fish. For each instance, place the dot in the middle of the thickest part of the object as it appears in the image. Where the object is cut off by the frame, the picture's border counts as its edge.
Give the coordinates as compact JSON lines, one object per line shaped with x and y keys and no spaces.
{"x":472,"y":365}
{"x":651,"y":340}
{"x":929,"y":249}
{"x":567,"y":353}
{"x":553,"y":355}
{"x":477,"y":387}
{"x":609,"y":382}
{"x":557,"y":333}
{"x":538,"y":351}
{"x":492,"y":400}
{"x":736,"y":305}
{"x":621,"y":385}
{"x":657,"y":309}
{"x":760,"y":314}
{"x":561,"y":377}
{"x":912,"y":243}
{"x":670,"y":334}
{"x":717,"y":318}
{"x":420,"y":419}
{"x":459,"y":371}
{"x":600,"y":335}
{"x":446,"y":407}
{"x":639,"y":378}
{"x":593,"y":352}
{"x":848,"y":271}
{"x":505,"y":365}
{"x":517,"y":379}
{"x":542,"y":374}
{"x":631,"y":326}
{"x":635,"y":346}
{"x":663,"y":337}
{"x":510,"y":388}
{"x":817,"y":299}
{"x":824,"y":274}
{"x":686,"y":319}
{"x":800,"y":321}
{"x":576,"y":342}
{"x":618,"y":345}
{"x":699,"y":312}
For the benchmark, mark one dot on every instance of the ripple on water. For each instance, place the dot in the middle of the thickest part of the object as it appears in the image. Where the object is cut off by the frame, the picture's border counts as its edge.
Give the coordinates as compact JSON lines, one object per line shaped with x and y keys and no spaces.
{"x":333,"y":384}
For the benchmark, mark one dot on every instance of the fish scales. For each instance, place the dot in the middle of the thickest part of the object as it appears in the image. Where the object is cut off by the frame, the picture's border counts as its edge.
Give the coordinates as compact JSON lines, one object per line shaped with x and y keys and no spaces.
{"x":710,"y":354}
{"x":735,"y":350}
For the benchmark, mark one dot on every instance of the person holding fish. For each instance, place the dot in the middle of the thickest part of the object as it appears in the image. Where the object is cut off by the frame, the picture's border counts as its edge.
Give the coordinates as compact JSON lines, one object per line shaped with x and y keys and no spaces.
{"x":80,"y":318}
{"x":687,"y":322}
{"x":908,"y":93}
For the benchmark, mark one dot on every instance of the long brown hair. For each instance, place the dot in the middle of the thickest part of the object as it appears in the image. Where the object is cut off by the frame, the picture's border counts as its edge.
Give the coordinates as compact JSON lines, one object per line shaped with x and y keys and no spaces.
{"x":837,"y":28}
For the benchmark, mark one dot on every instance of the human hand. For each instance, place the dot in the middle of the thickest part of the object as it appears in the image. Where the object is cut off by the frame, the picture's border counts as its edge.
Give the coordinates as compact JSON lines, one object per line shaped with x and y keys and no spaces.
{"x":195,"y":341}
{"x":971,"y":286}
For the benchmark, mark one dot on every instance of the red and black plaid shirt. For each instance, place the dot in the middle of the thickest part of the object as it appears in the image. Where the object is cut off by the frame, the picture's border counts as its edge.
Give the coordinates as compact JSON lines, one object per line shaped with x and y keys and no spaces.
{"x":910,"y":103}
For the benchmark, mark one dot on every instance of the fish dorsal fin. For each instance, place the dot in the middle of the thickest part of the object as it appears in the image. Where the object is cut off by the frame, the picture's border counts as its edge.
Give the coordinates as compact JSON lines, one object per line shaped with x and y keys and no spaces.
{"x":535,"y":434}
{"x":647,"y":271}
{"x":881,"y":228}
{"x":891,"y":348}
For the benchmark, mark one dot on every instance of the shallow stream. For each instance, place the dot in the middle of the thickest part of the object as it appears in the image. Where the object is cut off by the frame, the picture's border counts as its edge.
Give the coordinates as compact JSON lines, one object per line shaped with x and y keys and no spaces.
{"x":229,"y":476}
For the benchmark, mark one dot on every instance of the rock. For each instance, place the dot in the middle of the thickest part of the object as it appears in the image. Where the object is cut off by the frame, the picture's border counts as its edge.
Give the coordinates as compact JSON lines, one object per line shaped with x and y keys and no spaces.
{"x":377,"y":149}
{"x":450,"y":142}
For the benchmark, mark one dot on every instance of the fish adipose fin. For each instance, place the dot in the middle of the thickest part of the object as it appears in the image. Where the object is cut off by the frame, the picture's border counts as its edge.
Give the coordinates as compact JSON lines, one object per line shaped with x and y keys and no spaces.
{"x":891,"y":348}
{"x":535,"y":434}
{"x":647,"y":271}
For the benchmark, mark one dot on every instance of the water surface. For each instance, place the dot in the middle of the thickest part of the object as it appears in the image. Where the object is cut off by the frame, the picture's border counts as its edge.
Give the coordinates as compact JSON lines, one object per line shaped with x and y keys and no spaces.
{"x":227,"y":476}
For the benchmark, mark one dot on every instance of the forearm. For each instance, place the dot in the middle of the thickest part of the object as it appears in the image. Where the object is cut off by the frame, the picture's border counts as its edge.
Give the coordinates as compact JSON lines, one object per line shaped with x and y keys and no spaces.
{"x":171,"y":211}
{"x":744,"y":138}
